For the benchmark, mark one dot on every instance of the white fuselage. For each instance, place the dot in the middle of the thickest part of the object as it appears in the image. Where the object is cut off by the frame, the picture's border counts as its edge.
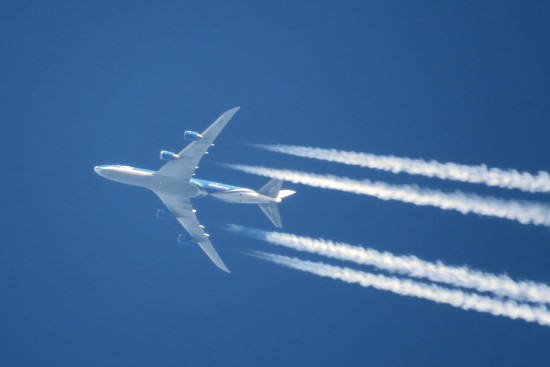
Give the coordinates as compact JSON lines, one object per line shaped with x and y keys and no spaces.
{"x":182,"y":188}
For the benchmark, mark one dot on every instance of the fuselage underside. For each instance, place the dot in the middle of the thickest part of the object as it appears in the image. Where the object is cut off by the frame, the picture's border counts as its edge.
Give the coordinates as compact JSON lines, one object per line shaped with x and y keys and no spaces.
{"x":182,"y":188}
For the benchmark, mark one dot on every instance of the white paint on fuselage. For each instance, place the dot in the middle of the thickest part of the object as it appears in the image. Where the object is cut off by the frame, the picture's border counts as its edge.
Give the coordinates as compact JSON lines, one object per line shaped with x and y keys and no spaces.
{"x":243,"y":196}
{"x":126,"y":175}
{"x":150,"y":180}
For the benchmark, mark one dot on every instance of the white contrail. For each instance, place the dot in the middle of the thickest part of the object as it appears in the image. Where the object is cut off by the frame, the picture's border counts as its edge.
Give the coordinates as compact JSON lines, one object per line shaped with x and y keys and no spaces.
{"x":458,"y":276}
{"x":505,"y":178}
{"x":523,"y":212}
{"x":406,"y":287}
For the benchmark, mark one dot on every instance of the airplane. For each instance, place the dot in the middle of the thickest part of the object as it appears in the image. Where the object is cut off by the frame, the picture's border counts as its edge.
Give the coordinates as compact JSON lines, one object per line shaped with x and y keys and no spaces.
{"x":175,"y":185}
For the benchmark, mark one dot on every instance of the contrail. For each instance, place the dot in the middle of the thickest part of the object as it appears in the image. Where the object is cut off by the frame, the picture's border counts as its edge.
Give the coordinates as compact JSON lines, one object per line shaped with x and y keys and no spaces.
{"x":458,"y":276}
{"x":523,"y":212}
{"x":405,"y":287}
{"x":505,"y":178}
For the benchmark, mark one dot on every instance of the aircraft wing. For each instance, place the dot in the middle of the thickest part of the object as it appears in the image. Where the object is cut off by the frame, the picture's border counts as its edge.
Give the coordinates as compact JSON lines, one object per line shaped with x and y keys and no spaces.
{"x":185,"y":166}
{"x":183,"y":211}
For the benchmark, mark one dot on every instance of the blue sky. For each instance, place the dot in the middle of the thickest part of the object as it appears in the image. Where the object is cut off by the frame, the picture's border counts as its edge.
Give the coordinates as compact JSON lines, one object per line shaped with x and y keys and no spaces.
{"x":89,"y":277}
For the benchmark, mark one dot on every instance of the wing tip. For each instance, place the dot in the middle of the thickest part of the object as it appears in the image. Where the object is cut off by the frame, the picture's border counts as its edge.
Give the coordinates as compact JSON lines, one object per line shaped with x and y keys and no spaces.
{"x":232,"y":111}
{"x":223,"y":267}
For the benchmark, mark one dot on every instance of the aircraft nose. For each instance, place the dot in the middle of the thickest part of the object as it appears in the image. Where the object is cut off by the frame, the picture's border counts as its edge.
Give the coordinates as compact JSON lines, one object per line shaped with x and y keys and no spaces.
{"x":98,"y":169}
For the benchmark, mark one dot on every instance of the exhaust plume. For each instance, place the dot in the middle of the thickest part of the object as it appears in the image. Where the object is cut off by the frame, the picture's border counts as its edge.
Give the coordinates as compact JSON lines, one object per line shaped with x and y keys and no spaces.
{"x":458,"y":276}
{"x":505,"y":178}
{"x":405,"y":287}
{"x":522,"y":212}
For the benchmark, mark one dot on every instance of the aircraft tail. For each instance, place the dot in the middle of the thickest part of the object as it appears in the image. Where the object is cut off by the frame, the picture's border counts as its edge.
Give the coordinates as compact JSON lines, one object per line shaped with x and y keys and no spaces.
{"x":273,"y":190}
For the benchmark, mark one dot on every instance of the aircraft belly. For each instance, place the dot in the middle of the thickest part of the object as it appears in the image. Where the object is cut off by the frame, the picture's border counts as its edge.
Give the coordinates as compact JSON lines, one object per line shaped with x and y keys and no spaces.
{"x":177,"y":187}
{"x":241,"y":197}
{"x":127,"y":177}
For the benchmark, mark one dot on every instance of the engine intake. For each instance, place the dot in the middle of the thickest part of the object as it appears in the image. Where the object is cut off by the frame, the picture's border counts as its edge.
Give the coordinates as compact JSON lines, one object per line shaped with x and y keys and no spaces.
{"x":192,"y":135}
{"x":166,"y":155}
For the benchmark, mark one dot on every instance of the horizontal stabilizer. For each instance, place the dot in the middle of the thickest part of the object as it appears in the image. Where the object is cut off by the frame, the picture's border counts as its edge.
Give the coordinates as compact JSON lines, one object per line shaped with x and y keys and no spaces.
{"x":272,"y":212}
{"x":272,"y":188}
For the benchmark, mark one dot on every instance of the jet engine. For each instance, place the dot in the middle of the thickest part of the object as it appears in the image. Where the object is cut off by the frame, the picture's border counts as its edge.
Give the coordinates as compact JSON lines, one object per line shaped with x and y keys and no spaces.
{"x":163,"y":214}
{"x":168,"y":156}
{"x":192,"y":135}
{"x":185,"y":239}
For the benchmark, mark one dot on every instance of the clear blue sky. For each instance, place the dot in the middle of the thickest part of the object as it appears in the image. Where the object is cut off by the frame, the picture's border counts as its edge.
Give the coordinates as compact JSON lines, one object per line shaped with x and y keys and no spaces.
{"x":88,"y":277}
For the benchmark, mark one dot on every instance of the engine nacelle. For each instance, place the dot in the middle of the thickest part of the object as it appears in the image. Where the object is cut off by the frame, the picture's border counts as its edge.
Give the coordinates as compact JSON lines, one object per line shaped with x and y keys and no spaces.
{"x":192,"y":135}
{"x":185,"y":239}
{"x":163,"y":214}
{"x":168,"y":156}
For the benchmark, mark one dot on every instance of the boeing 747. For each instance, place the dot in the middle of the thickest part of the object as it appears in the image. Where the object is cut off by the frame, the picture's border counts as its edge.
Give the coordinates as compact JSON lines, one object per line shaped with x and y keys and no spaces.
{"x":175,"y":185}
